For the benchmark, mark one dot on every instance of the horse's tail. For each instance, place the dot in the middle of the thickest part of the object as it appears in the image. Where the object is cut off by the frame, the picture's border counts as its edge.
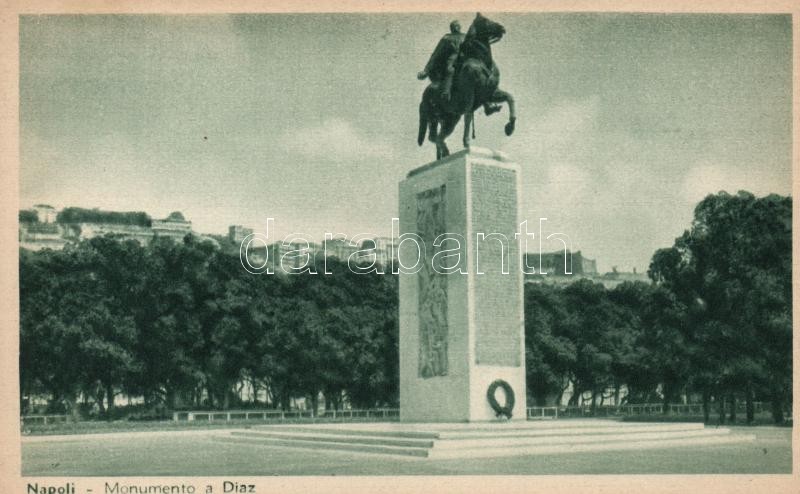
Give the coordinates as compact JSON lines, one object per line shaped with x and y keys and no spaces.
{"x":423,"y":123}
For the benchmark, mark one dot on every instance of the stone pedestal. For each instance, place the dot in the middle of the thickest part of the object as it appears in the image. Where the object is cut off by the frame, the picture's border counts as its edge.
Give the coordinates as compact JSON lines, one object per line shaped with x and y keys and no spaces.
{"x":461,"y":311}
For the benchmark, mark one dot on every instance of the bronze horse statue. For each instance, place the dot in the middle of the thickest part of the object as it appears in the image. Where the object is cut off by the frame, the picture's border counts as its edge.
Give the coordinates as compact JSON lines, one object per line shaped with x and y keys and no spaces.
{"x":475,"y":83}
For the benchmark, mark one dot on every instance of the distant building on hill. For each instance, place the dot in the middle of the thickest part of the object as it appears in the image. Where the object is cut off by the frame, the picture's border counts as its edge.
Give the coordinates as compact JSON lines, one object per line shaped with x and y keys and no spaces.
{"x":45,"y":213}
{"x":237,"y":233}
{"x":141,"y":234}
{"x":42,"y":227}
{"x":173,"y":226}
{"x":561,"y":263}
{"x":296,"y":255}
{"x":578,"y":267}
{"x":614,"y":278}
{"x":380,"y":250}
{"x":339,"y":248}
{"x":38,"y":236}
{"x":385,"y":250}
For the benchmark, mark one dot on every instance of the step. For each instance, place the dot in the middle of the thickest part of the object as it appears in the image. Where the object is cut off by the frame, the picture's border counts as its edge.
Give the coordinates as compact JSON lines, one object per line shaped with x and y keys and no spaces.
{"x":351,"y":431}
{"x":484,"y":440}
{"x":559,"y":431}
{"x":588,"y":447}
{"x":556,"y":424}
{"x":323,"y":436}
{"x":324,"y":445}
{"x":488,"y":442}
{"x":567,"y":423}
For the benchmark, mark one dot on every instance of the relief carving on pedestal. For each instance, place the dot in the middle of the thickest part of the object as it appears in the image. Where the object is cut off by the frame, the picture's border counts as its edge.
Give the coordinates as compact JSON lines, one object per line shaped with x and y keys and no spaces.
{"x":432,"y":293}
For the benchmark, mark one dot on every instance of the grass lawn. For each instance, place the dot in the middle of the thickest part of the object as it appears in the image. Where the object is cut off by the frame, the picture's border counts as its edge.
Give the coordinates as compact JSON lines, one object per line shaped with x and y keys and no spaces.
{"x":101,"y":427}
{"x":759,"y":419}
{"x":198,"y":454}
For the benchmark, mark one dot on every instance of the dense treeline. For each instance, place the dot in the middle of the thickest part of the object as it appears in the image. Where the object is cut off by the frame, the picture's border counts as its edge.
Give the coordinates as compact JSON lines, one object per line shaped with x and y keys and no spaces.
{"x":183,"y":324}
{"x":715,"y":325}
{"x":731,"y":273}
{"x":81,"y":215}
{"x":28,"y":216}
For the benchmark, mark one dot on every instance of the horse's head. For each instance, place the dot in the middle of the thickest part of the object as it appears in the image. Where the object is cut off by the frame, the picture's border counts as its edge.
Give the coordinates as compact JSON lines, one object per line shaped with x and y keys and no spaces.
{"x":486,"y":30}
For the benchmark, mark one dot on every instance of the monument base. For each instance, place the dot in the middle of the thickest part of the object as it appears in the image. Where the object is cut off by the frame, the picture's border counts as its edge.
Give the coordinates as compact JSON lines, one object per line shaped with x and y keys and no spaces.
{"x":444,"y":441}
{"x":461,"y":304}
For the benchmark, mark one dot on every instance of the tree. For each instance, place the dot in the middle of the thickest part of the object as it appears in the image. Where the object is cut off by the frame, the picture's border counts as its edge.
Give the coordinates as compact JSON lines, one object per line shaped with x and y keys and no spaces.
{"x":109,"y":324}
{"x":28,"y":216}
{"x":592,"y":329}
{"x":48,"y":346}
{"x":167,"y":324}
{"x":633,"y":363}
{"x":549,"y":357}
{"x":732,"y":272}
{"x":81,"y":215}
{"x":75,"y":331}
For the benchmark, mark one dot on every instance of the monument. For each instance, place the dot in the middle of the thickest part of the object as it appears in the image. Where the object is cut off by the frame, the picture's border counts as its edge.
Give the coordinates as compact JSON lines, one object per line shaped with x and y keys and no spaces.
{"x":462,"y":334}
{"x":461,"y":311}
{"x":461,"y":326}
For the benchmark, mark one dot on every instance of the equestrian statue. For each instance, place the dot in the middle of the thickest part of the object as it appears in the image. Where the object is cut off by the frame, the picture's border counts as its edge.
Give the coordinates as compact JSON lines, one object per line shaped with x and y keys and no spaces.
{"x":463,"y":78}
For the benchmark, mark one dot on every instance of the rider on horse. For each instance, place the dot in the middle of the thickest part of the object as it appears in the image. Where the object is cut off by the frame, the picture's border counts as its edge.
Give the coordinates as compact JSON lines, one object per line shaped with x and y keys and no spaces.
{"x":441,"y":66}
{"x":474,"y":78}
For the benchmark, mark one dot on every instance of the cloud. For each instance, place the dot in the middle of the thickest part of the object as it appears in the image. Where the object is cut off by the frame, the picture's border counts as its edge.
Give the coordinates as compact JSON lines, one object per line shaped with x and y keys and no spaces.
{"x":614,"y":193}
{"x":708,"y":178}
{"x":333,"y":139}
{"x":563,"y":133}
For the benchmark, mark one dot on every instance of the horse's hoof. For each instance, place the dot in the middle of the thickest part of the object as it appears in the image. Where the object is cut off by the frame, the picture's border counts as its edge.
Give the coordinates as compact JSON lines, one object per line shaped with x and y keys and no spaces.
{"x":510,"y":127}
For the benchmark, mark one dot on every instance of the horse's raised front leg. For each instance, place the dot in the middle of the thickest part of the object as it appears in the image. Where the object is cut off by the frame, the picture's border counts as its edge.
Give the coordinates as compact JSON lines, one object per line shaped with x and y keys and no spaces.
{"x":501,"y":96}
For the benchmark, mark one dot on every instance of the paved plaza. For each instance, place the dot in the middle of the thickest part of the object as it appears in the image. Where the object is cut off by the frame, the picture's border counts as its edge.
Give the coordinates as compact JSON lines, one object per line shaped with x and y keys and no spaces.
{"x":200,"y":453}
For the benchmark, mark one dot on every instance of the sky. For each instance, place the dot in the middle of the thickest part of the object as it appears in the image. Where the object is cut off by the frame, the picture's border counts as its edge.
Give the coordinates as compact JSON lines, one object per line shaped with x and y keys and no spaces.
{"x":625,"y":121}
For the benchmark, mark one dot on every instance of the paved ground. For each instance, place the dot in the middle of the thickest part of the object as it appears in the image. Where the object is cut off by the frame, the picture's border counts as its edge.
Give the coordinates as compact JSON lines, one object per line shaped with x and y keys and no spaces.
{"x":196,"y":453}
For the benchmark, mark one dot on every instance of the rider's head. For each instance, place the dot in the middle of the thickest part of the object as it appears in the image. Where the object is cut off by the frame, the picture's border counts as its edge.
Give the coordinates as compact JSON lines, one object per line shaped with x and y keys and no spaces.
{"x":455,"y":27}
